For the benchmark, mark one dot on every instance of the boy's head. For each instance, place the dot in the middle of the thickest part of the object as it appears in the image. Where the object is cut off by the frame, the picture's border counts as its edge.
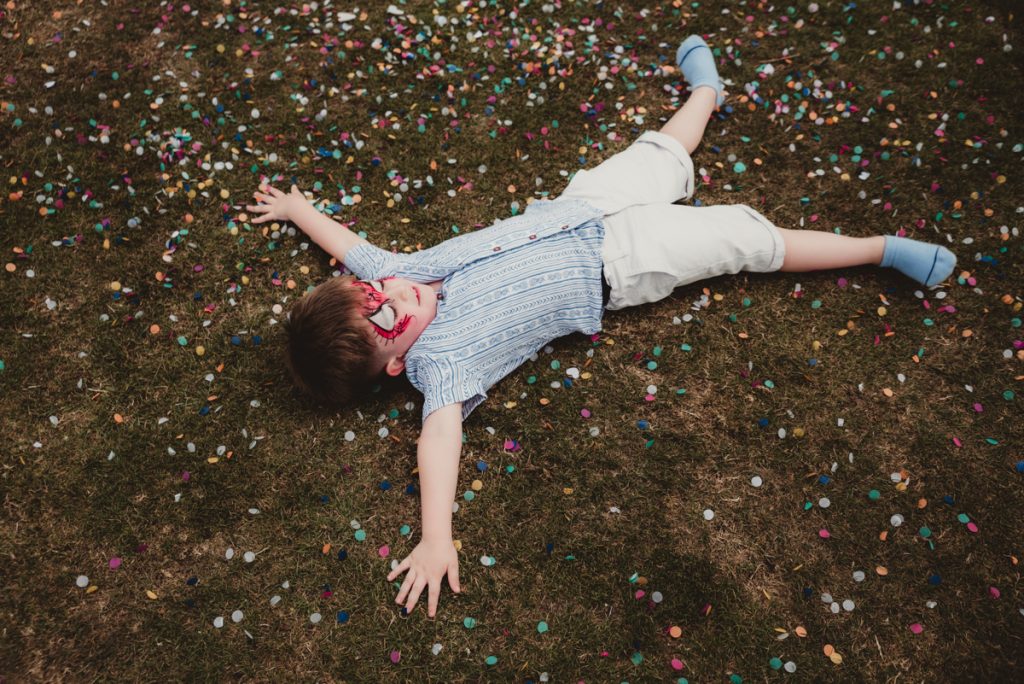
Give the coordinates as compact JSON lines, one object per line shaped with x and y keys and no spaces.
{"x":346,"y":331}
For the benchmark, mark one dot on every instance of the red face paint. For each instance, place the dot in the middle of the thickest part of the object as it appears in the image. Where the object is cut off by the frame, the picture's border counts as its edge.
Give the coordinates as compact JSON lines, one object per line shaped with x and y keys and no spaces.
{"x":380,"y":312}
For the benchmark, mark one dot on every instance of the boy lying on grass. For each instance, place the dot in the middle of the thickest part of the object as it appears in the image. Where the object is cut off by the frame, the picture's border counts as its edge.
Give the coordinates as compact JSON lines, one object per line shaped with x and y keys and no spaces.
{"x":460,"y":316}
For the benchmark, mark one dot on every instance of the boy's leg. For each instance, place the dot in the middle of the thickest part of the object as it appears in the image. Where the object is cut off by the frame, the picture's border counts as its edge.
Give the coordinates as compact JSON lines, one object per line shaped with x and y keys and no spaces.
{"x":815,"y":250}
{"x":687,"y":125}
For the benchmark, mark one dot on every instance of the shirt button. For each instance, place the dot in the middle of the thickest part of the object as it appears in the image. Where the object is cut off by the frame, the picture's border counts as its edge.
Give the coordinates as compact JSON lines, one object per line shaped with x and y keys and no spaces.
{"x":566,"y":226}
{"x":497,"y":248}
{"x":533,"y":237}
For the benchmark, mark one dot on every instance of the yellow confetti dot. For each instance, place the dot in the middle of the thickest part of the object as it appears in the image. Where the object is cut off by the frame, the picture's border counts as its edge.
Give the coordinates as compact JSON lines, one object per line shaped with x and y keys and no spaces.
{"x":245,"y":280}
{"x":836,"y":658}
{"x":882,"y":311}
{"x":477,"y":485}
{"x":842,"y":333}
{"x":220,"y":49}
{"x":10,"y":268}
{"x":212,"y":460}
{"x":798,"y":432}
{"x":816,"y":345}
{"x":585,"y":376}
{"x":151,"y":595}
{"x":511,"y":404}
{"x":567,"y":490}
{"x":224,"y":194}
{"x":304,"y":270}
{"x":115,"y":286}
{"x":91,"y":589}
{"x":200,"y":350}
{"x":457,"y":544}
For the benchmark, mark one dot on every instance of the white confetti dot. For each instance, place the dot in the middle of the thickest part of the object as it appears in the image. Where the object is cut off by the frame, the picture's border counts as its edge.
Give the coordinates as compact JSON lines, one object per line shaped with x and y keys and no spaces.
{"x":896,"y":520}
{"x":657,"y":597}
{"x":218,"y":622}
{"x":349,"y":436}
{"x":708,"y":514}
{"x":652,"y":389}
{"x":82,"y":581}
{"x":382,"y":433}
{"x":229,"y":554}
{"x":789,"y":667}
{"x":274,"y":600}
{"x":315,"y":618}
{"x":249,"y":556}
{"x":756,"y":481}
{"x":834,"y":607}
{"x":255,"y":113}
{"x":782,"y":433}
{"x":824,"y":502}
{"x":848,"y":605}
{"x":237,"y":616}
{"x":858,"y":576}
{"x":436,"y":648}
{"x":826,"y":598}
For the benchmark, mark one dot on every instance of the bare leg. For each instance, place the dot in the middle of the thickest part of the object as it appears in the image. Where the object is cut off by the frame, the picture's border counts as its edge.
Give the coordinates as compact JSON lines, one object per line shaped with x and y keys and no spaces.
{"x":687,"y":125}
{"x":814,"y":250}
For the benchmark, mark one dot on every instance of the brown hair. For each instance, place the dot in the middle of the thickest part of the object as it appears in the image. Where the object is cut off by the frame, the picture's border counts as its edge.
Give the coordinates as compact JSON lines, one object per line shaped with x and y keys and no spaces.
{"x":330,"y":353}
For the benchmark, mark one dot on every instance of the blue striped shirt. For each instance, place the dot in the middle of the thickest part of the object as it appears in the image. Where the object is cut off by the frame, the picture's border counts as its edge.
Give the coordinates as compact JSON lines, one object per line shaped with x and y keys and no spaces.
{"x":507,"y":290}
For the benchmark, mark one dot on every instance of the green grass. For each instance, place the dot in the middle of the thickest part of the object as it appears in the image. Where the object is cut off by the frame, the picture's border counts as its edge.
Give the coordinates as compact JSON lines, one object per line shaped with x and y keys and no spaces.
{"x":577,"y":524}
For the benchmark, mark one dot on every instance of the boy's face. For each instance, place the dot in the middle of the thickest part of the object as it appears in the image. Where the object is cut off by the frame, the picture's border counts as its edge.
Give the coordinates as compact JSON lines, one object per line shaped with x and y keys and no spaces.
{"x":398,"y":310}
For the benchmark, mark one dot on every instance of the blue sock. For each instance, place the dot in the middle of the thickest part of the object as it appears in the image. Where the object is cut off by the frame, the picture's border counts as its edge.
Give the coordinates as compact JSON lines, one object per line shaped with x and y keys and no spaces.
{"x":926,"y":263}
{"x":697,"y":63}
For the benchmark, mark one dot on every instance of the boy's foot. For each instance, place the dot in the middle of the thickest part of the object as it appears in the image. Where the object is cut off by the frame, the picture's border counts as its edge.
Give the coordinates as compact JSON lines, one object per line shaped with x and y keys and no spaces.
{"x":926,"y":263}
{"x":697,"y":63}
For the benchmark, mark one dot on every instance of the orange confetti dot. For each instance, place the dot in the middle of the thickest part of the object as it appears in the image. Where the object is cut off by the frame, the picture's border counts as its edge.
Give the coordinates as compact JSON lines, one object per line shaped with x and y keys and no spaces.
{"x":921,"y":503}
{"x":326,"y":549}
{"x":675,"y":632}
{"x":829,"y":649}
{"x":118,"y":418}
{"x":882,"y":571}
{"x":800,"y":632}
{"x":154,"y":329}
{"x":887,"y":392}
{"x":967,"y":333}
{"x":544,"y":401}
{"x":10,"y":268}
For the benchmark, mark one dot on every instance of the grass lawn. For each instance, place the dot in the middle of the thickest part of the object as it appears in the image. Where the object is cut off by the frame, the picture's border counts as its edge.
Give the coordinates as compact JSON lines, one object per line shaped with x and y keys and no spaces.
{"x":811,"y":476}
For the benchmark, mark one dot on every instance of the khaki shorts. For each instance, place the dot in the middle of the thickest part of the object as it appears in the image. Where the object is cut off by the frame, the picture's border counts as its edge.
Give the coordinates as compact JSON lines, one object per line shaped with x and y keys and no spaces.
{"x":653,"y":246}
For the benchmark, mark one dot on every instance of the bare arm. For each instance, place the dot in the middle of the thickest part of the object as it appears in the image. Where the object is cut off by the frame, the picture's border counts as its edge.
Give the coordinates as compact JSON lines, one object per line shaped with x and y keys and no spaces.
{"x":438,"y":458}
{"x":334,"y":238}
{"x":434,"y":557}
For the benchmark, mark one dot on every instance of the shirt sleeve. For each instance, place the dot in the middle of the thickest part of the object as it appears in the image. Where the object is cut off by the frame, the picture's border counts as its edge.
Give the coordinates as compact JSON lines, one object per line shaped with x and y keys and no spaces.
{"x":443,"y":382}
{"x":370,"y":262}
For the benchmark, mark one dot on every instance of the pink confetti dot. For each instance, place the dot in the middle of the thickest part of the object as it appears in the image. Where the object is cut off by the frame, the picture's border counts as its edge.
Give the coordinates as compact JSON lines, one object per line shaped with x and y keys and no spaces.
{"x":979,"y":408}
{"x":384,"y":551}
{"x":916,"y":628}
{"x":824,"y":534}
{"x":585,"y":413}
{"x":994,"y":592}
{"x":649,"y":397}
{"x":677,"y":664}
{"x":640,"y":593}
{"x":115,"y":563}
{"x":972,"y":527}
{"x":396,"y":656}
{"x":841,"y":282}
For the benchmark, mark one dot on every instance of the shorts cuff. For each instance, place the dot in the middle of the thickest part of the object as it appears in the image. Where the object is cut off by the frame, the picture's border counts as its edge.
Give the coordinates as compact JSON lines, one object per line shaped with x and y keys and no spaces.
{"x":667,"y":142}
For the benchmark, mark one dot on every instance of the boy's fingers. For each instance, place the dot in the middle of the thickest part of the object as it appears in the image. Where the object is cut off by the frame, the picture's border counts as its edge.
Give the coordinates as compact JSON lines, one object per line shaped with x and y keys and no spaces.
{"x":406,"y":586}
{"x":399,"y":569}
{"x":433,"y":594}
{"x":417,"y":589}
{"x":275,"y":192}
{"x":453,"y":579}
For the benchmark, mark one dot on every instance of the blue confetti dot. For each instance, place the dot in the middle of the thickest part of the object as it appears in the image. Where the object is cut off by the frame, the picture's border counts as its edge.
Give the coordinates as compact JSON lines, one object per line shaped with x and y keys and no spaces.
{"x":481,"y":466}
{"x":342,"y":617}
{"x":342,"y":554}
{"x":824,"y":479}
{"x":236,"y":340}
{"x":385,"y":486}
{"x":642,"y":424}
{"x":762,"y":422}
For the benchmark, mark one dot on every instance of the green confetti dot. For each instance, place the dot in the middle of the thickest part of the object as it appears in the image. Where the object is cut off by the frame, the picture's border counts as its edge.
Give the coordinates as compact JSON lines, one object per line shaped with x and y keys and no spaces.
{"x":746,"y":302}
{"x":739,"y":167}
{"x":542,"y":627}
{"x":393,"y":413}
{"x":769,"y":384}
{"x":404,"y":530}
{"x":510,"y":469}
{"x":555,"y":365}
{"x":874,"y":495}
{"x":469,"y":495}
{"x":993,"y":442}
{"x":469,"y":623}
{"x":816,"y":304}
{"x":733,"y":318}
{"x":685,"y":347}
{"x":929,"y":322}
{"x":735,"y":679}
{"x":637,"y":658}
{"x":2,"y":366}
{"x":491,"y":660}
{"x":925,"y":532}
{"x":963,"y":518}
{"x":360,"y":535}
{"x":681,"y":391}
{"x":182,"y":340}
{"x":657,"y":351}
{"x":1008,"y":395}
{"x":652,"y":365}
{"x":531,"y":380}
{"x":776,"y":663}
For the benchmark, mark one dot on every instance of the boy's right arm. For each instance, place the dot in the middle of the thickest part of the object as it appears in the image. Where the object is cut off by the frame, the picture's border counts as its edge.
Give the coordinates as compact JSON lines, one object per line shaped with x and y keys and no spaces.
{"x":434,"y":557}
{"x":334,"y":238}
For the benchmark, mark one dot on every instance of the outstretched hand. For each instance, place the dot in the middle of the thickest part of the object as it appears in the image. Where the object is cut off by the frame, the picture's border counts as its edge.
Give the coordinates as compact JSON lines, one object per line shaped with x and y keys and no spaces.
{"x":428,"y":563}
{"x":275,"y":205}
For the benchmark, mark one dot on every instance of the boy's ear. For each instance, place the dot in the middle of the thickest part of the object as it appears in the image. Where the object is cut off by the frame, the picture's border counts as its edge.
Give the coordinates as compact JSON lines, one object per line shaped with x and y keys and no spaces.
{"x":395,"y":366}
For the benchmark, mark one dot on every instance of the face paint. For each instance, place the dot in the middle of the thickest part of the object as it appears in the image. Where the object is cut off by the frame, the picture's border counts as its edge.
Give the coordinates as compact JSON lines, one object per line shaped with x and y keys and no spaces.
{"x":380,"y":312}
